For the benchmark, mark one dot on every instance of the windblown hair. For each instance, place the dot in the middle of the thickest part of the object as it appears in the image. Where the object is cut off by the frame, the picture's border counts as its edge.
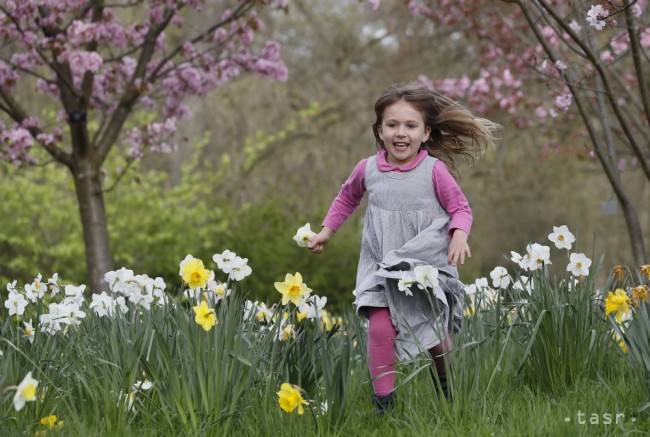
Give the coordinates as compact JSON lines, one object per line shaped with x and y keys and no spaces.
{"x":455,"y":131}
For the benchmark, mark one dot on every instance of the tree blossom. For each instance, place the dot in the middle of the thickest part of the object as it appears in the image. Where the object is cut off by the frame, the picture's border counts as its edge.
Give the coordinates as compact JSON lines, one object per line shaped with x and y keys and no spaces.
{"x":596,"y":15}
{"x":579,"y":264}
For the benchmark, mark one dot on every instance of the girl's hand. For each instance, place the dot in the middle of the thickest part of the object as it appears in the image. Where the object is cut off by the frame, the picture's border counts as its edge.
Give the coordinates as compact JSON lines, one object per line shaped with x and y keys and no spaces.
{"x":319,"y":241}
{"x":458,"y":248}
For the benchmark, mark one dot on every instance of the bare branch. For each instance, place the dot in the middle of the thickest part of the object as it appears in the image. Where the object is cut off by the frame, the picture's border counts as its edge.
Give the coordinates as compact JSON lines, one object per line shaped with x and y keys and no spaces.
{"x":633,"y":31}
{"x":643,"y":159}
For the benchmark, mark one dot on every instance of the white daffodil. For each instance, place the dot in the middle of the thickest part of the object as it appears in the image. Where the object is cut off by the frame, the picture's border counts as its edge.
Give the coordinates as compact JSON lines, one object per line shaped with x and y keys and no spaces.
{"x":53,"y":282}
{"x":224,"y":260}
{"x":481,"y":283}
{"x":102,"y":305}
{"x":11,"y":286}
{"x":536,"y":256}
{"x":562,"y":238}
{"x":16,"y":303}
{"x":36,"y":290}
{"x":488,"y":297}
{"x":29,"y":331}
{"x":426,"y":277}
{"x":25,"y":392}
{"x":142,"y":299}
{"x":219,"y":289}
{"x":404,"y":283}
{"x":142,"y":385}
{"x":239,"y":269}
{"x":313,"y":306}
{"x":524,"y":284}
{"x":74,"y":295}
{"x":304,"y":235}
{"x":118,"y":279}
{"x":500,"y":277}
{"x":578,"y":264}
{"x":286,"y":331}
{"x":470,"y":292}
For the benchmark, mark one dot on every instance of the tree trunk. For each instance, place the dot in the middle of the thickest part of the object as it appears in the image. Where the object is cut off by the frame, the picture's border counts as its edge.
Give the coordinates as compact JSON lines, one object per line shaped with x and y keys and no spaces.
{"x":93,"y":220}
{"x":634,"y":231}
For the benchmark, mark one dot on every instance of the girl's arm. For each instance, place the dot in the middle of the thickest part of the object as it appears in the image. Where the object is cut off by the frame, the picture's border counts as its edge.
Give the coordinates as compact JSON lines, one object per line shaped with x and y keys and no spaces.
{"x":342,"y":207}
{"x":455,"y":203}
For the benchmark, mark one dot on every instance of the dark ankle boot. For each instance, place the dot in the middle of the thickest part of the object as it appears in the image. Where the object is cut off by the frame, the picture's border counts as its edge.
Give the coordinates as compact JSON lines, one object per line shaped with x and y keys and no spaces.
{"x":384,"y":403}
{"x":442,"y":380}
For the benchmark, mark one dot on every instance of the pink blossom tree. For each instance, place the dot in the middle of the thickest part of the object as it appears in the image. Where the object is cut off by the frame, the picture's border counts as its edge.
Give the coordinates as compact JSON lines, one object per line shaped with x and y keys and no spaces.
{"x":98,"y":62}
{"x":593,"y":59}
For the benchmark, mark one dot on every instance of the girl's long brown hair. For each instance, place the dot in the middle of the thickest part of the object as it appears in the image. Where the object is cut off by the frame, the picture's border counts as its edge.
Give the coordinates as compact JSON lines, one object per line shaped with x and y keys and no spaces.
{"x":455,"y":131}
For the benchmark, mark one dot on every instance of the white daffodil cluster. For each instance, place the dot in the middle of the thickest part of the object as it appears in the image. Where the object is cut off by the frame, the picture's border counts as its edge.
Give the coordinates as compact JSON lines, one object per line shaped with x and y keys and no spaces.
{"x":235,"y":267}
{"x":425,"y":277}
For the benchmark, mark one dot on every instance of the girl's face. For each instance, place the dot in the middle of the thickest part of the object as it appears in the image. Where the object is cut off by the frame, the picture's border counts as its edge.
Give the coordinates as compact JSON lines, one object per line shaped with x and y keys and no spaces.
{"x":403,"y":131}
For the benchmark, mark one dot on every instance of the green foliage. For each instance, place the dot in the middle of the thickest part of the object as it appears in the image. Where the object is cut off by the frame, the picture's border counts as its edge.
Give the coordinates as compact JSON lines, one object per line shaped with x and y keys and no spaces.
{"x":560,"y":328}
{"x":153,"y":224}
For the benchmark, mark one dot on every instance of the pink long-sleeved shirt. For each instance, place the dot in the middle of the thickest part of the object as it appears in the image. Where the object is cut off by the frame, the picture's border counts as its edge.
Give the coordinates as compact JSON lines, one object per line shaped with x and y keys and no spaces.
{"x":449,"y":193}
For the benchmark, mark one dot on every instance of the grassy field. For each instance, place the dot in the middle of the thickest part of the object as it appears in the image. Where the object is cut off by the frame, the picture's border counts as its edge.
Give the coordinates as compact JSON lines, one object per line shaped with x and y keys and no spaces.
{"x":535,"y":357}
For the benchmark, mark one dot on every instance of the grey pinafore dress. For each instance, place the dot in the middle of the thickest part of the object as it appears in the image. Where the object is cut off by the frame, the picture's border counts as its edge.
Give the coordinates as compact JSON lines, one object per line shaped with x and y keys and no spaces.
{"x":405,"y":227}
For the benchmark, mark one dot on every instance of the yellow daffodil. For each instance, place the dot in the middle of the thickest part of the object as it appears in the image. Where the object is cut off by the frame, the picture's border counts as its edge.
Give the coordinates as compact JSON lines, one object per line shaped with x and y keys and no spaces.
{"x":639,"y":294}
{"x":289,"y":398}
{"x":194,"y":274}
{"x":325,"y":317}
{"x":51,"y":421}
{"x":205,"y":316}
{"x":621,"y":343}
{"x":470,"y":311}
{"x":293,"y":289}
{"x":302,"y":315}
{"x":618,"y":302}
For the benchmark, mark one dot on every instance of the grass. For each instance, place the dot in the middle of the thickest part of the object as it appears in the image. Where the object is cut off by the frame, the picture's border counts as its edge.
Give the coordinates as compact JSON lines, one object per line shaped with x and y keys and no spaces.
{"x":224,"y":381}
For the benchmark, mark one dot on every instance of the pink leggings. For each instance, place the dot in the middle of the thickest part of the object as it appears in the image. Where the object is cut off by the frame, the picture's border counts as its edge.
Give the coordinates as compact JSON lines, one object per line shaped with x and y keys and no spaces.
{"x":381,"y":351}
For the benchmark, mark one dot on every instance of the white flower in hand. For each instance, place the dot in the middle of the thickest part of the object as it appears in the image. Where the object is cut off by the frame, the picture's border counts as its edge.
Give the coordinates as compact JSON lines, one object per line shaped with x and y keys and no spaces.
{"x":304,"y":235}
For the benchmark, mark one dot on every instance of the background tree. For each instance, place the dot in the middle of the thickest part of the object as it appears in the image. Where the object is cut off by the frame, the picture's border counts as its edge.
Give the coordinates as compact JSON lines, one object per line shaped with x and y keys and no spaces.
{"x":101,"y":62}
{"x":593,"y":60}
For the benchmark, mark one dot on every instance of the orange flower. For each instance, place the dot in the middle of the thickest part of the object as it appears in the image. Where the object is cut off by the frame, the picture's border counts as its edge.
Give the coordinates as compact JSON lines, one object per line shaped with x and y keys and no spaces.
{"x":639,"y":294}
{"x":619,"y":272}
{"x":645,"y":270}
